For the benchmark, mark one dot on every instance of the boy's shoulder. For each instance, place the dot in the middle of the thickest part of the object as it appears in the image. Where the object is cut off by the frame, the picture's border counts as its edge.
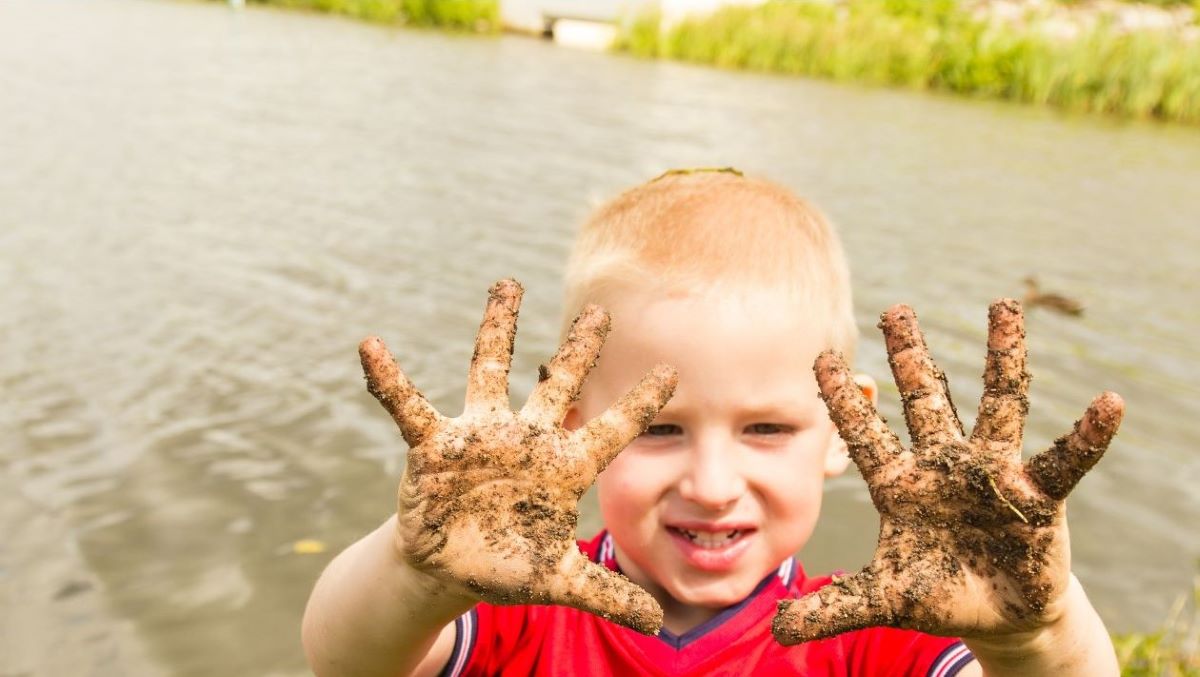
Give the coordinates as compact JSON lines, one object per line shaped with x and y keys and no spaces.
{"x":545,"y":640}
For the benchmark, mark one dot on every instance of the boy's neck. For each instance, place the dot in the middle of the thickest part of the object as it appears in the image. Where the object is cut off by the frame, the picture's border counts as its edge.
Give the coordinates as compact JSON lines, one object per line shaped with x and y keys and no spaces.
{"x":679,"y":618}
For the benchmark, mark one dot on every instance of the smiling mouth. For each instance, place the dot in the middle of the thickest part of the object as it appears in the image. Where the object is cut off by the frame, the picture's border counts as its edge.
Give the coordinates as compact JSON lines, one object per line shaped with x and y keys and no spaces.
{"x":711,"y":540}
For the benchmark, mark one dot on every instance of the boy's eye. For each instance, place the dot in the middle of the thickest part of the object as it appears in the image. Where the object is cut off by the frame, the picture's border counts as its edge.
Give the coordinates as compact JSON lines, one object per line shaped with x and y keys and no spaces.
{"x":663,"y":429}
{"x":768,"y":429}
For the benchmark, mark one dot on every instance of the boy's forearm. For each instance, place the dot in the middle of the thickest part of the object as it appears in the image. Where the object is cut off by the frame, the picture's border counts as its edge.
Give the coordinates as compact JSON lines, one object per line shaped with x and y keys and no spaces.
{"x":1077,"y":644}
{"x":371,"y":614}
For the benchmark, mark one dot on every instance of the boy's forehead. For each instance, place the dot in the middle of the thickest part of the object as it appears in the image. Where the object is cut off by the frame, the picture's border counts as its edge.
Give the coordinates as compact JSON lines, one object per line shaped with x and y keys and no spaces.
{"x":760,"y":331}
{"x":733,"y":354}
{"x":715,"y":306}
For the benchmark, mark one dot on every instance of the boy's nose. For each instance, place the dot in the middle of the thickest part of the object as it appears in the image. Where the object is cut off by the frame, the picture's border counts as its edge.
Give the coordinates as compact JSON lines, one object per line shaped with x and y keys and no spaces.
{"x":713,"y":481}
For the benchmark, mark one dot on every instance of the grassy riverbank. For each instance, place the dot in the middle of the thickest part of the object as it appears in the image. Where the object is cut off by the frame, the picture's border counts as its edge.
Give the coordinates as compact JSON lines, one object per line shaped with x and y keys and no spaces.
{"x":1173,"y":650}
{"x":940,"y":45}
{"x":480,"y":16}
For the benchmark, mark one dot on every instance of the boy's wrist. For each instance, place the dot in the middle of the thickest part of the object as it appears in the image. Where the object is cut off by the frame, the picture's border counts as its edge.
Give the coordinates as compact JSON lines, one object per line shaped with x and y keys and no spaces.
{"x":1075,"y":642}
{"x":372,"y":613}
{"x":440,"y":598}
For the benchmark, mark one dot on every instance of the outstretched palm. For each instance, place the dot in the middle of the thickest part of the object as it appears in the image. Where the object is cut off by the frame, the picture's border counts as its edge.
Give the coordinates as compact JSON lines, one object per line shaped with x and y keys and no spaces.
{"x":972,"y":539}
{"x":488,"y":500}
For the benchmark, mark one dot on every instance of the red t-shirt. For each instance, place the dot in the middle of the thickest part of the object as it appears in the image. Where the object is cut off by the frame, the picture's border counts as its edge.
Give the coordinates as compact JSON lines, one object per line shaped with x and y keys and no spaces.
{"x":557,"y":640}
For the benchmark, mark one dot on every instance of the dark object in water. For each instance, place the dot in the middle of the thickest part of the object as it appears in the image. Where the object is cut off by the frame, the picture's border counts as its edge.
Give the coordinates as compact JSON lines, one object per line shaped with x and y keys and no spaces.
{"x":1035,"y":298}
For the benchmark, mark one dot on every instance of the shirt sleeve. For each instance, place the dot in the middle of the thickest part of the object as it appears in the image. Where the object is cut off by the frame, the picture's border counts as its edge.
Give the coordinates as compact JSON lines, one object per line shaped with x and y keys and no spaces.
{"x":497,"y":640}
{"x":906,"y":653}
{"x":505,"y":640}
{"x":465,"y":639}
{"x":951,"y":661}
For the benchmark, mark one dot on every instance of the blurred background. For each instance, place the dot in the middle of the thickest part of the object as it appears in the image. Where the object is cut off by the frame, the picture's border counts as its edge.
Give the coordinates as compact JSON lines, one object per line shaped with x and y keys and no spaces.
{"x":203,"y":209}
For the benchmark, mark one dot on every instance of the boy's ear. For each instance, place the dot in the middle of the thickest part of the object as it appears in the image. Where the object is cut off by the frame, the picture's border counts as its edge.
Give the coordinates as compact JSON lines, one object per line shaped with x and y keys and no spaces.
{"x":838,"y":456}
{"x":868,"y":387}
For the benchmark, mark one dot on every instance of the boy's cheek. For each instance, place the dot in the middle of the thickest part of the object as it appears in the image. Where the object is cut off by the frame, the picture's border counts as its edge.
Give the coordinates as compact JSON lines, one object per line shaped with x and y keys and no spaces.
{"x":624,"y":474}
{"x":635,"y":480}
{"x":613,"y":483}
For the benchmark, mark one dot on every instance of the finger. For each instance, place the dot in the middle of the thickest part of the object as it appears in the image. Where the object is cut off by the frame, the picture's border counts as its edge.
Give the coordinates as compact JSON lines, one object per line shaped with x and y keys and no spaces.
{"x":867,"y":437}
{"x":593,"y":588}
{"x":553,"y":394}
{"x":849,"y":603}
{"x":1057,"y":469}
{"x":411,"y":411}
{"x":606,"y":435}
{"x":1004,"y":404}
{"x":487,"y":382}
{"x":928,"y":410}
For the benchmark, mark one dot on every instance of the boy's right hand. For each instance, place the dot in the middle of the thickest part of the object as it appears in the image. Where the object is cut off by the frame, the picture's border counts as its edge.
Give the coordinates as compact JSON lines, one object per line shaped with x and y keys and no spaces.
{"x":487,"y":504}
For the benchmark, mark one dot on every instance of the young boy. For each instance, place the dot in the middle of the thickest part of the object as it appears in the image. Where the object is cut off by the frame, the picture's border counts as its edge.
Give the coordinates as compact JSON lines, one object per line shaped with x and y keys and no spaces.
{"x":739,"y":286}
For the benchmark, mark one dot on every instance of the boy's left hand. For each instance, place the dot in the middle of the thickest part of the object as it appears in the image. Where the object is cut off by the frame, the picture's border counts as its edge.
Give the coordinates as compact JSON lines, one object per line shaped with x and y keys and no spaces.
{"x":973,"y":540}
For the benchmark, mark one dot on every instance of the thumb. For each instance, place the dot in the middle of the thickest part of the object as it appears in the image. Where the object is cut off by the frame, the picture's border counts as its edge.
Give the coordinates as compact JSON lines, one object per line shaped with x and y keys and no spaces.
{"x":593,"y":588}
{"x":846,"y":604}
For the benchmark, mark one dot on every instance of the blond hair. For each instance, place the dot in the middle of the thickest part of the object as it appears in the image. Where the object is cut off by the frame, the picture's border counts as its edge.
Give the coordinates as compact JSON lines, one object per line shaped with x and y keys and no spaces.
{"x":715,"y":230}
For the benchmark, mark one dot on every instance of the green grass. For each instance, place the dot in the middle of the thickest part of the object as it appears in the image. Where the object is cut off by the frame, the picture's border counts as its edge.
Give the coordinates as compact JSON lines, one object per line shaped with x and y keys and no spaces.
{"x":1172,"y":651}
{"x":462,"y":15}
{"x":479,"y":15}
{"x":1159,"y":3}
{"x":932,"y":44}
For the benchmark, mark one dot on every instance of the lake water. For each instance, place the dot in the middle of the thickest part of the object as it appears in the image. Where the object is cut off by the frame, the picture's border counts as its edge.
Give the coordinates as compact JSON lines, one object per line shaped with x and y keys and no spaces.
{"x":203,"y":211}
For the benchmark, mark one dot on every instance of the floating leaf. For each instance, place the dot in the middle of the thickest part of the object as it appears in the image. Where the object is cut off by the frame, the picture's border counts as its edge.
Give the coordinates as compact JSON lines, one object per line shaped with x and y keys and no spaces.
{"x":308,"y":546}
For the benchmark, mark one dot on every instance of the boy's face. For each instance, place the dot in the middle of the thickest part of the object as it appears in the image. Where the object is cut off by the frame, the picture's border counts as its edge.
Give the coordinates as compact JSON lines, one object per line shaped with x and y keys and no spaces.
{"x":726,"y":483}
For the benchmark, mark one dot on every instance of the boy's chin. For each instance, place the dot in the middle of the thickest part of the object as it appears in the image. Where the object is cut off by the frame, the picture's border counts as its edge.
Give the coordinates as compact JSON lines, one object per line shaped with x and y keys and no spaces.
{"x":715,"y":593}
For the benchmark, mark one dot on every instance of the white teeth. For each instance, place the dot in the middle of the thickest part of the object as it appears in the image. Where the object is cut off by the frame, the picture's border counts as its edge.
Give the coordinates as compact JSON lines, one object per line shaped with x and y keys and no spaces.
{"x":708,"y":539}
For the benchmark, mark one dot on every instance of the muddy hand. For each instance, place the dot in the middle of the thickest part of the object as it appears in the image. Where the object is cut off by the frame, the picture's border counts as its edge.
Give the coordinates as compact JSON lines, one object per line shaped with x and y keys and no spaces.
{"x":488,"y":500}
{"x":973,"y":540}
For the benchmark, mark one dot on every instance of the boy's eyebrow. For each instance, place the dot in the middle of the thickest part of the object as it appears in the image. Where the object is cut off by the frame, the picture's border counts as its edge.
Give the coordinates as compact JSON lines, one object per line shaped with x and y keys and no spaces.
{"x":783,"y":412}
{"x":795,"y":410}
{"x":698,"y":170}
{"x":792,"y":413}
